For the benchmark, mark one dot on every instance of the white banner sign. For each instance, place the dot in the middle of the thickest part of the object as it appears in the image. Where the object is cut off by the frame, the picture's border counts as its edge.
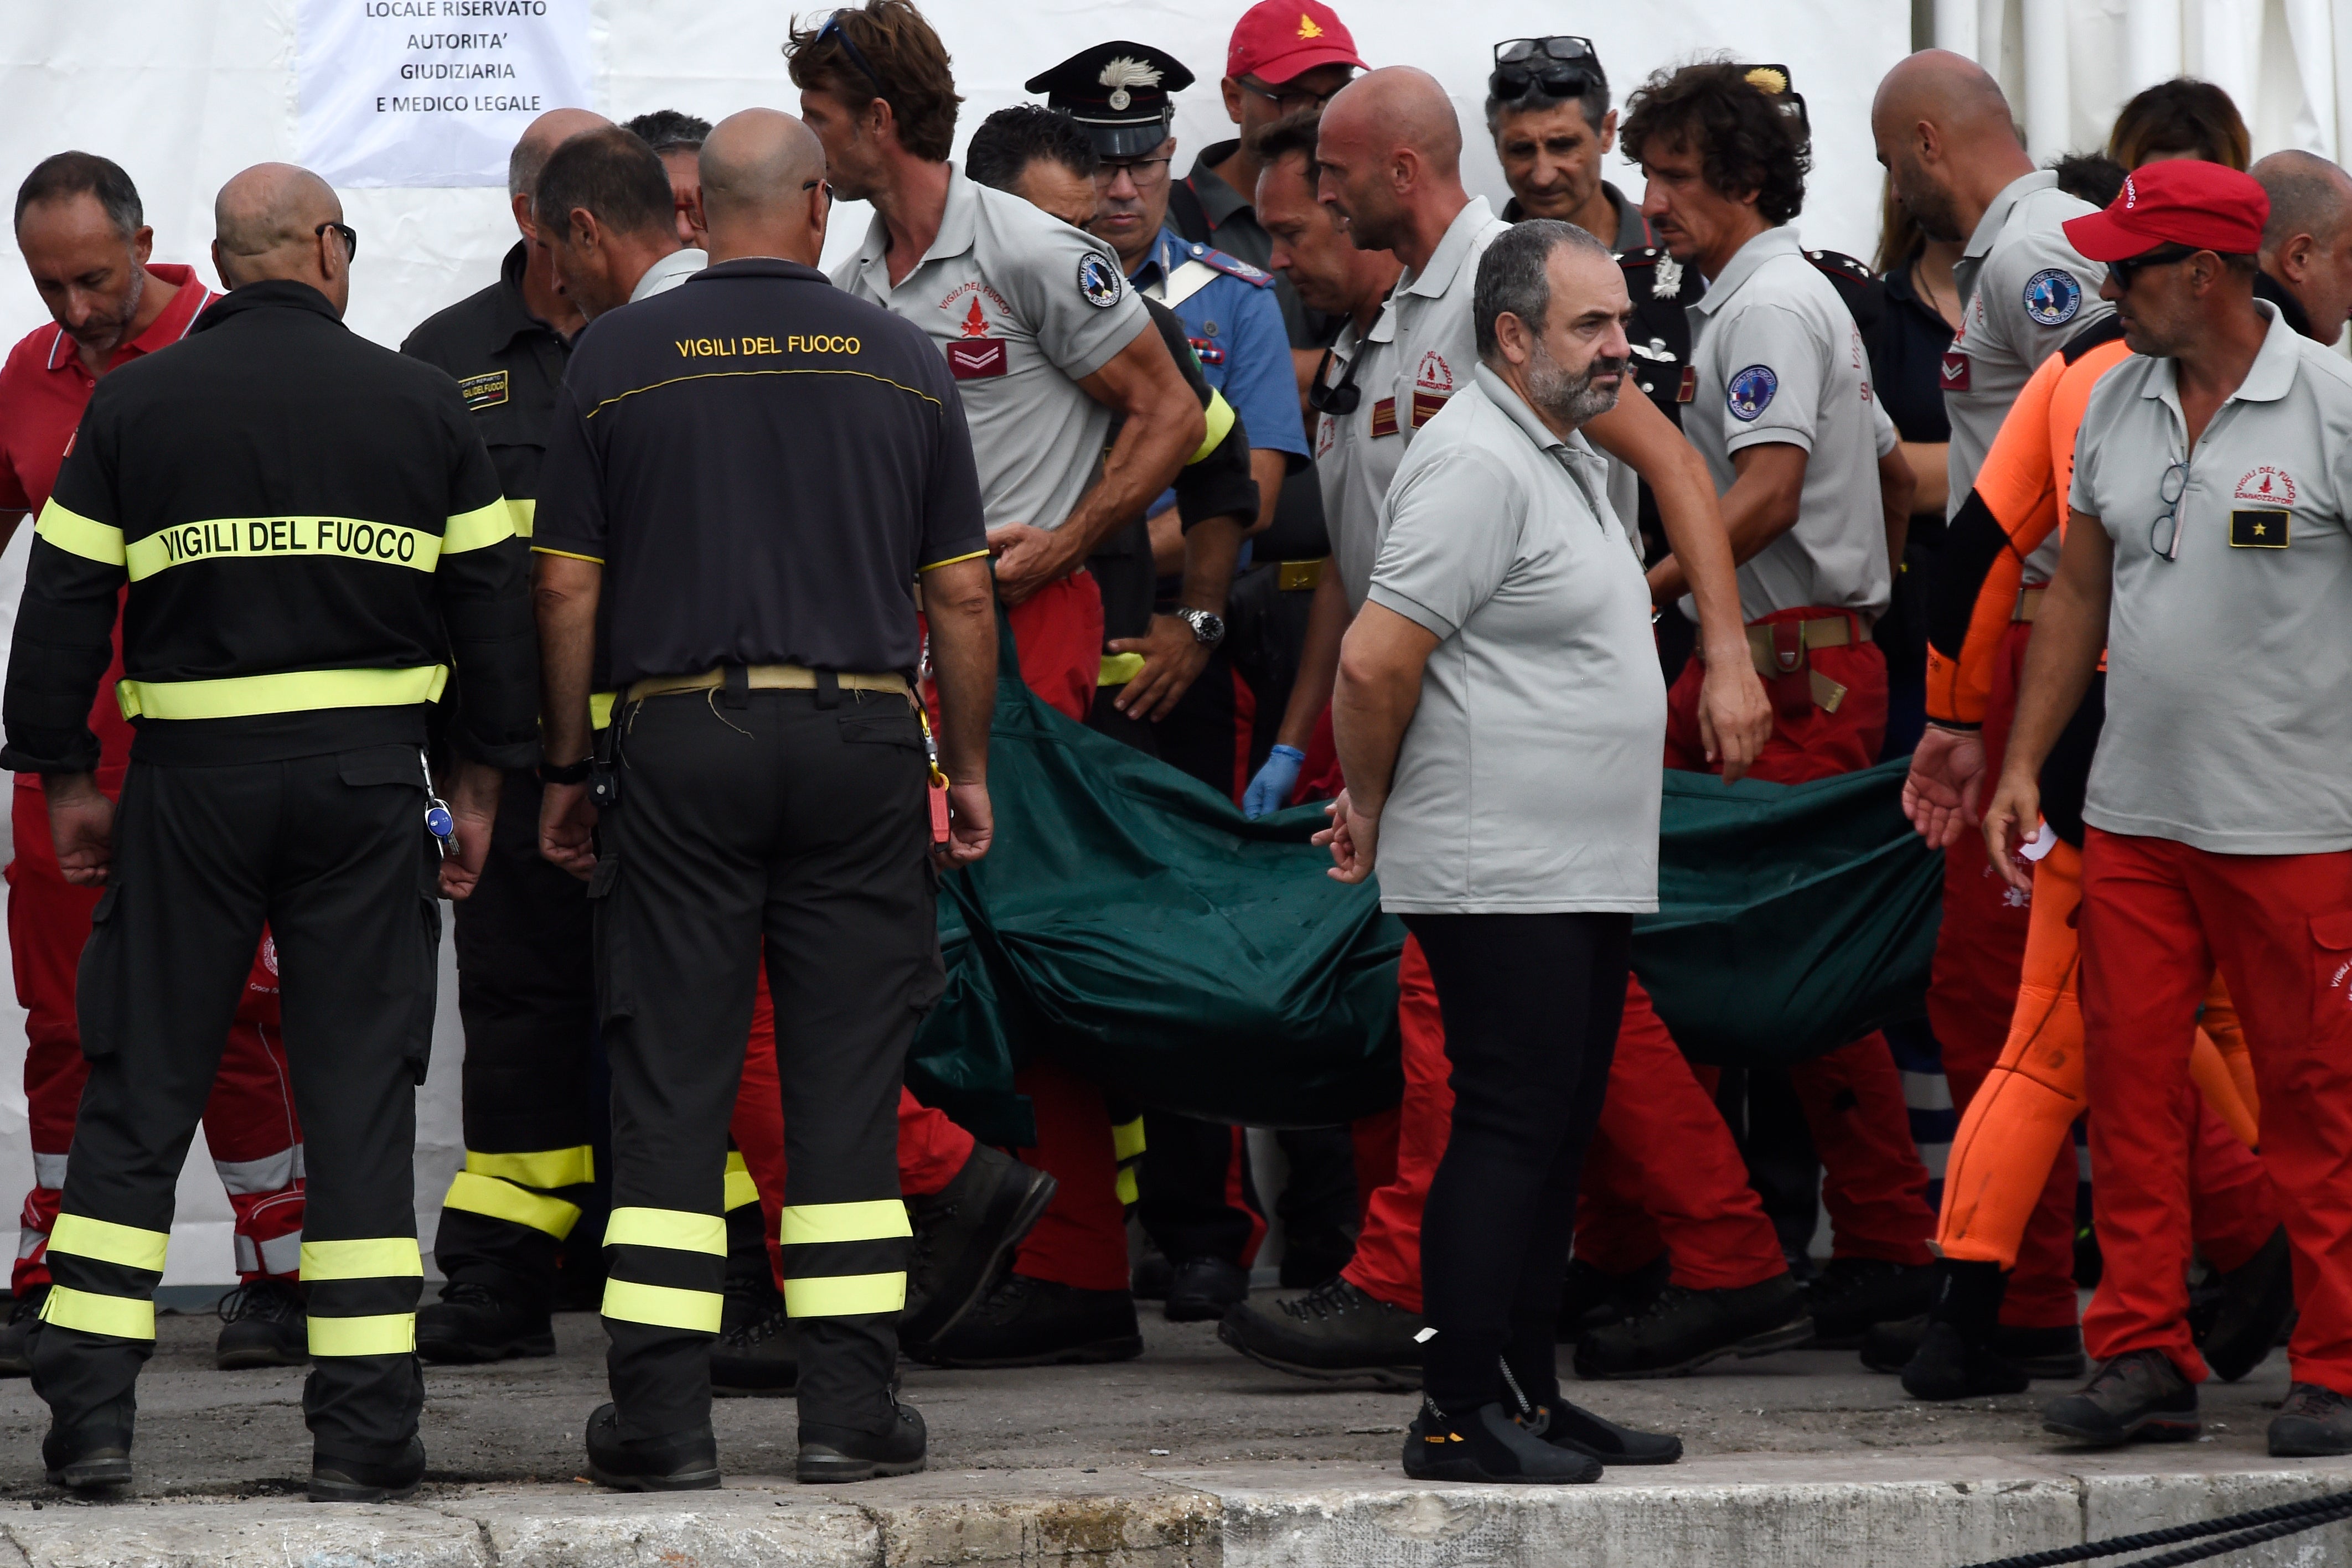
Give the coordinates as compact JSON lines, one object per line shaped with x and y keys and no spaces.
{"x":432,"y":92}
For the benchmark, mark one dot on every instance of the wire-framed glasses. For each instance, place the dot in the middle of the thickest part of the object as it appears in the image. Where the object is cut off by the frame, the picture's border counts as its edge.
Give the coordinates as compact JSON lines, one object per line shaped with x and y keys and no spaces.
{"x":2164,"y":534}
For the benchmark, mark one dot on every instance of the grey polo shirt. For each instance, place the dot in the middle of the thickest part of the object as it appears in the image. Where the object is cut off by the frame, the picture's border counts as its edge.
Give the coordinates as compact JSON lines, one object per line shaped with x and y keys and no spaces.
{"x":2228,"y":726}
{"x":1418,"y":354}
{"x":1528,"y":779}
{"x":2025,"y":290}
{"x":1022,"y":306}
{"x":1776,"y":357}
{"x":669,"y":272}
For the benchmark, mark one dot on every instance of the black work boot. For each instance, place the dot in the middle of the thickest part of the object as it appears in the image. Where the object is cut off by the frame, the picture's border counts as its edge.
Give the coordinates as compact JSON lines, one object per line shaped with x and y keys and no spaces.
{"x":473,"y":1322}
{"x":1567,"y":1425}
{"x":1684,"y":1329}
{"x":16,"y":1339}
{"x":1956,"y":1358}
{"x":1487,"y":1444}
{"x":1203,"y":1290}
{"x":1334,"y":1331}
{"x":2044,"y":1353}
{"x":2256,"y":1298}
{"x":760,"y":1352}
{"x":2315,"y":1423}
{"x":1153,"y":1275}
{"x":339,"y":1478}
{"x":2138,"y":1396}
{"x":1850,"y":1294}
{"x":965,"y":1233}
{"x":1593,"y":1298}
{"x":87,"y":1458}
{"x":681,"y":1461}
{"x":830,"y":1453}
{"x":1038,"y":1323}
{"x":262,"y":1325}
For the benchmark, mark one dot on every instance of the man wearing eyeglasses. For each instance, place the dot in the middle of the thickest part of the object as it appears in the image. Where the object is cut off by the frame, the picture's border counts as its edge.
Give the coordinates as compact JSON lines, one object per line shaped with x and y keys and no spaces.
{"x":2210,"y":556}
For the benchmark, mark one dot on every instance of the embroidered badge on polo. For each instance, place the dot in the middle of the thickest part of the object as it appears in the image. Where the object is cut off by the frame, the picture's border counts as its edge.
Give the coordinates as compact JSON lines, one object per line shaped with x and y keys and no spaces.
{"x":1750,"y":392}
{"x":2265,"y":483}
{"x":1099,"y":281}
{"x":2052,"y":296}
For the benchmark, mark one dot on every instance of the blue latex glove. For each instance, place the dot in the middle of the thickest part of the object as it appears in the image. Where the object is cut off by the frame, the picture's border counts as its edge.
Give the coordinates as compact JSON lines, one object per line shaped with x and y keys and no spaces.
{"x":1270,"y":791}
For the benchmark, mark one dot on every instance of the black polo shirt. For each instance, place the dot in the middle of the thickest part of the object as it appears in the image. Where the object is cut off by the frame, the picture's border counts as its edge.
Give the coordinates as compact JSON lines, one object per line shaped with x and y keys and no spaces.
{"x":1907,"y":354}
{"x":508,"y":363}
{"x":764,"y":464}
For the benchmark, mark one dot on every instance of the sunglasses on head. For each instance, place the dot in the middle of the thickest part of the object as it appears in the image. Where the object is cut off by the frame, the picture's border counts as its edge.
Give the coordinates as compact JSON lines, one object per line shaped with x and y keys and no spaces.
{"x":1564,"y":65}
{"x":834,"y":29}
{"x":2127,"y":270}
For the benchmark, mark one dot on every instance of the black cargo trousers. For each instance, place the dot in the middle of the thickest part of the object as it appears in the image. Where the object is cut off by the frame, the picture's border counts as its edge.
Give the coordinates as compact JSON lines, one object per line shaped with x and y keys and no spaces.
{"x":331,"y":850}
{"x":796,"y":818}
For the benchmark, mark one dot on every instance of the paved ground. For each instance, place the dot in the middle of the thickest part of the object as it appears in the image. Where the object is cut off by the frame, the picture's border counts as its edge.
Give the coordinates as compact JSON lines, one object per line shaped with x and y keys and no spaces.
{"x":1187,"y":1403}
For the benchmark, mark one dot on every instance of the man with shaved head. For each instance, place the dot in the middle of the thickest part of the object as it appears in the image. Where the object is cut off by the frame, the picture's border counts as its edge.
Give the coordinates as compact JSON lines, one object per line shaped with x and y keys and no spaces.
{"x":525,"y":992}
{"x":748,"y":476}
{"x":305,"y":534}
{"x":1954,"y":160}
{"x":2307,"y":254}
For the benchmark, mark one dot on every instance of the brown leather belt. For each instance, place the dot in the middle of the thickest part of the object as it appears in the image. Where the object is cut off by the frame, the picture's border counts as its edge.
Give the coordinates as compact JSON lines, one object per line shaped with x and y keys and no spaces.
{"x":766,"y":677}
{"x":2029,"y":605}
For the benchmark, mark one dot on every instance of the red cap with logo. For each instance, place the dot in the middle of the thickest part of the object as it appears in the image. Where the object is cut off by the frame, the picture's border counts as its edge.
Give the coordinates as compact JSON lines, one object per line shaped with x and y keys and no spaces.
{"x":1276,"y":40}
{"x":2181,"y":201}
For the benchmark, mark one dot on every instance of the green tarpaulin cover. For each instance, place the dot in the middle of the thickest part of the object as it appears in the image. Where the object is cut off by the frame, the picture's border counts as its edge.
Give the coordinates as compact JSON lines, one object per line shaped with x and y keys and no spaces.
{"x":1133,"y":924}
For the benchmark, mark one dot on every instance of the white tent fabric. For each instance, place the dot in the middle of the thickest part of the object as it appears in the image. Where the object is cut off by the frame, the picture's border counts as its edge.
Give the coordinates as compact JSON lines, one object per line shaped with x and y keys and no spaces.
{"x":185,"y":92}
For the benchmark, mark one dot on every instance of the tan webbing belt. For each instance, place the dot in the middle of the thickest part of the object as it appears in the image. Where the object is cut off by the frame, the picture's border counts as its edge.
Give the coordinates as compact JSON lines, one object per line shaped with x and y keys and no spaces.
{"x":1779,"y":652}
{"x":2029,"y":605}
{"x":766,"y":677}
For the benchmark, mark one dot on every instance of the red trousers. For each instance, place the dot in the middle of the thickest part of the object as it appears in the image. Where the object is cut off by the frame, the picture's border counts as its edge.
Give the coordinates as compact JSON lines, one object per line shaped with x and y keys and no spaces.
{"x":2156,"y":917}
{"x":1874,"y":1184}
{"x":1662,"y":1151}
{"x":1058,"y":631}
{"x":250,"y":1124}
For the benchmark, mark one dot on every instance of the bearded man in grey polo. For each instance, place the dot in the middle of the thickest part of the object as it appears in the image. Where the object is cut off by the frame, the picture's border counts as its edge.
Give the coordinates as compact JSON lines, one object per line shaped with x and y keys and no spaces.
{"x":1499,"y":716}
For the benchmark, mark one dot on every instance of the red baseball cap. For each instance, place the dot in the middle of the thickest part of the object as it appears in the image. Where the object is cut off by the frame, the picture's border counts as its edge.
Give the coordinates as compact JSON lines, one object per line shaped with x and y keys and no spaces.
{"x":1278,"y":39}
{"x":2179,"y":200}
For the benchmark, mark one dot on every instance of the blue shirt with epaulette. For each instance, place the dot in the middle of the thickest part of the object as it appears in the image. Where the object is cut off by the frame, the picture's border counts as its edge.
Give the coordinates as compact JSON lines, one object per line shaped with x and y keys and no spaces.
{"x":1234,"y":324}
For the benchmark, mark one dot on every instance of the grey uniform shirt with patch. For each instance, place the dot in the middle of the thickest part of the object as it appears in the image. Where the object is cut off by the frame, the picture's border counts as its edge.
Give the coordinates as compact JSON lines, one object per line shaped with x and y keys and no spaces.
{"x":1024,"y":306}
{"x":1418,"y":353}
{"x":2025,"y":290}
{"x":2228,"y":726}
{"x":1777,"y":357}
{"x":1528,"y":781}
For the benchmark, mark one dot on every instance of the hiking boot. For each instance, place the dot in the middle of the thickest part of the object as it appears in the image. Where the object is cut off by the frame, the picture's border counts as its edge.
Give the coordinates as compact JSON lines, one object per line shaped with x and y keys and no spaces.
{"x":2315,"y":1423}
{"x":850,"y":1454}
{"x":2044,"y":1355}
{"x":16,"y":1339}
{"x":1853,"y":1293}
{"x":2139,"y":1396}
{"x":965,"y":1233}
{"x":682,"y":1462}
{"x":1334,"y":1331}
{"x":761,"y":1355}
{"x":87,"y":1458}
{"x":1038,"y":1323}
{"x":471,"y":1321}
{"x":2256,"y":1298}
{"x":1593,"y":1298}
{"x":1487,"y":1444}
{"x":1205,"y":1289}
{"x":262,"y":1325}
{"x":335,"y":1477}
{"x":1684,"y":1329}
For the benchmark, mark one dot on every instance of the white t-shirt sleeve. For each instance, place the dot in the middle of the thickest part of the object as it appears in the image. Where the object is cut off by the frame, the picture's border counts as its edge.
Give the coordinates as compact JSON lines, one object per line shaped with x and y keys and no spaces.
{"x":1453,"y":531}
{"x":1772,"y":373}
{"x":1067,"y":287}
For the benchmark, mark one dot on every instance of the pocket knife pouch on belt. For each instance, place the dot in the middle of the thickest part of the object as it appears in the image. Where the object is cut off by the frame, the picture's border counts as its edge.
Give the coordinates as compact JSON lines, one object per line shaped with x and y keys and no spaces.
{"x":1777,"y":649}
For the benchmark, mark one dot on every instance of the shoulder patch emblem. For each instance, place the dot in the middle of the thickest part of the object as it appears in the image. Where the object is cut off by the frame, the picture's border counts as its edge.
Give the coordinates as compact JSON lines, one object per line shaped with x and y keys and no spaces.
{"x":1750,"y":392}
{"x":2052,"y":296}
{"x":1099,"y":281}
{"x":2266,"y":484}
{"x":486,"y":391}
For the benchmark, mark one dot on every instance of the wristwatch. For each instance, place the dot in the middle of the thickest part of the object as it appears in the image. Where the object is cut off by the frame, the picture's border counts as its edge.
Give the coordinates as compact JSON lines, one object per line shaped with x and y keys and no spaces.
{"x":1208,"y":626}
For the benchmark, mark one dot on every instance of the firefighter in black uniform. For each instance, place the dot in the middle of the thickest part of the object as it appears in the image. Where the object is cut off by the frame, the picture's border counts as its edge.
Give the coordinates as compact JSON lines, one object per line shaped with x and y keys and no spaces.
{"x":526,"y":994}
{"x":310,"y":529}
{"x":752,"y":472}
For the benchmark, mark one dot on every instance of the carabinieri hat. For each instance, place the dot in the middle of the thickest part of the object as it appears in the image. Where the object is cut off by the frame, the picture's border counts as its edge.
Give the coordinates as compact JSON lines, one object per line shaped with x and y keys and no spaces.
{"x":1119,"y":91}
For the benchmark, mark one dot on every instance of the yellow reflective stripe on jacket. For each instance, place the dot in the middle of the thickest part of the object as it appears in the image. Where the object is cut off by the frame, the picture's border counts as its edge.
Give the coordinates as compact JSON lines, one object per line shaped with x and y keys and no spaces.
{"x":539,"y":1168}
{"x":282,"y":539}
{"x":497,"y":1199}
{"x":388,"y":1333}
{"x":878,"y":1219}
{"x":522,"y":511}
{"x":663,"y":1306}
{"x":1126,"y":1139}
{"x":845,"y":1295}
{"x":108,"y":1242}
{"x":674,"y":1228}
{"x":290,"y":690}
{"x":121,"y":1316}
{"x":1124,"y":1189}
{"x":377,"y":1257}
{"x":740,"y":1188}
{"x":482,"y":527}
{"x":77,"y":535}
{"x":1219,"y":417}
